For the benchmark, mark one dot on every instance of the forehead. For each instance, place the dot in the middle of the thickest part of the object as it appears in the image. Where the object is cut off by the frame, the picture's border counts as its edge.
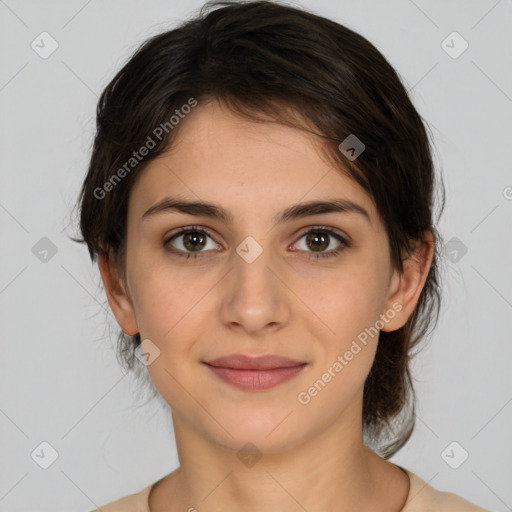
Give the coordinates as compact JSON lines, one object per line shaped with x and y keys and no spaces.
{"x":248,"y":166}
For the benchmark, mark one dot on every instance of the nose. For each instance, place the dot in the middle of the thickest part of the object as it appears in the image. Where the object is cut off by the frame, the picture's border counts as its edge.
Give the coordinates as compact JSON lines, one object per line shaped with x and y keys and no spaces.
{"x":255,"y":298}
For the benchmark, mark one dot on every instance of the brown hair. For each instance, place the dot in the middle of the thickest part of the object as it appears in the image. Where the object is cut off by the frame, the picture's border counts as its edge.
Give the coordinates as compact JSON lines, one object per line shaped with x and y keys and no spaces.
{"x":262,"y":58}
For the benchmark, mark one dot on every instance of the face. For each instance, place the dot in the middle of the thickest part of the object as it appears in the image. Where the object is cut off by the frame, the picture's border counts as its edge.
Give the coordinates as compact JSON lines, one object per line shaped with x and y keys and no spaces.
{"x":312,"y":285}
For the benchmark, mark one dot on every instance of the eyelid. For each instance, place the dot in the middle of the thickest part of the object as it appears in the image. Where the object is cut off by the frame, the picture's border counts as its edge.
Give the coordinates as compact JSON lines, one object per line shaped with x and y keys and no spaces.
{"x":302,"y":231}
{"x":330,"y":229}
{"x":191,"y":227}
{"x":186,"y":229}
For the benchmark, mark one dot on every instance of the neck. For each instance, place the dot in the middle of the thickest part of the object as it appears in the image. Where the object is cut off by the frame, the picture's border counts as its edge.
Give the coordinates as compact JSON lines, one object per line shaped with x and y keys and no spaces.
{"x":333,"y":471}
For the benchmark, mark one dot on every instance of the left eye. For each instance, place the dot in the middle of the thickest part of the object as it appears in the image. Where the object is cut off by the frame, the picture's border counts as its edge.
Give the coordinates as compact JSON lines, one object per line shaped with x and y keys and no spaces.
{"x":193,"y":239}
{"x":320,"y":239}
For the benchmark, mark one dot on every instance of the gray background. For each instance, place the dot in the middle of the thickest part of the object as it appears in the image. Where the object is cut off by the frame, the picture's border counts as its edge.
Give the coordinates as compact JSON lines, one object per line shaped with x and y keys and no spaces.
{"x":60,"y":381}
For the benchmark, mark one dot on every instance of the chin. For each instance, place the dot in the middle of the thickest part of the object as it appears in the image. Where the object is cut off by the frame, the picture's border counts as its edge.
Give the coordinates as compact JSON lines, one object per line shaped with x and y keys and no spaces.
{"x":269,"y":432}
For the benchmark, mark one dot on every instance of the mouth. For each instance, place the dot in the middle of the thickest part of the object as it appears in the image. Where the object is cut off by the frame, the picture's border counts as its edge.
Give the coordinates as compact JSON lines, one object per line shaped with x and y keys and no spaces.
{"x":255,"y":373}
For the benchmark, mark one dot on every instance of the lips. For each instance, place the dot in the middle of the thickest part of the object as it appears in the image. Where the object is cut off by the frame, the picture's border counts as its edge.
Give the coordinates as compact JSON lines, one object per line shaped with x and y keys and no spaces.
{"x":255,"y":373}
{"x":242,"y":362}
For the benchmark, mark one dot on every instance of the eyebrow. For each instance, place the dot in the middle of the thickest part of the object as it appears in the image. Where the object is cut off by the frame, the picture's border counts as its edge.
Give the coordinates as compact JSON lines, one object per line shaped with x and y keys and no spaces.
{"x":296,"y":211}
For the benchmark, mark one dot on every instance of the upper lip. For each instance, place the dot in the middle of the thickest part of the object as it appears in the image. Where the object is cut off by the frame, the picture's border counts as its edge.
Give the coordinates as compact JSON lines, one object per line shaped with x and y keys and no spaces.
{"x":243,"y":362}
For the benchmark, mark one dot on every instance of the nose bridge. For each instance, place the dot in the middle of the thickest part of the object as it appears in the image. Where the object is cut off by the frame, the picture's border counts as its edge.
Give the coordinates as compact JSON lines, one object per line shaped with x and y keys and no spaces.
{"x":249,"y":250}
{"x":252,"y":262}
{"x":254,"y":298}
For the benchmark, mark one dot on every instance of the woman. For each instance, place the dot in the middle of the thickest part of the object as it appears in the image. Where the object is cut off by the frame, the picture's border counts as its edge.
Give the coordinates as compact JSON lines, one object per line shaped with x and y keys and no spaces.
{"x":260,"y":200}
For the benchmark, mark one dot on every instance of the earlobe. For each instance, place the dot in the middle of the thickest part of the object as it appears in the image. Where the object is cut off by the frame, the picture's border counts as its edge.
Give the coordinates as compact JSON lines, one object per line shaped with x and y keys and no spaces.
{"x":406,"y":286}
{"x":119,"y":300}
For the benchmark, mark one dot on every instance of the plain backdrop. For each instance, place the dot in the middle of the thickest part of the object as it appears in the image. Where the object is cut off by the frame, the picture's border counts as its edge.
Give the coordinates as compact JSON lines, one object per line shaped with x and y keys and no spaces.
{"x":60,"y":382}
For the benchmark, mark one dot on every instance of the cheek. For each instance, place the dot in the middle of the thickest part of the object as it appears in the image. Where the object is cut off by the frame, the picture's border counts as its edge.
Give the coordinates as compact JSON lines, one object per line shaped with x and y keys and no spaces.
{"x":351,"y":310}
{"x":163,"y":297}
{"x":166,"y":315}
{"x":355,"y":302}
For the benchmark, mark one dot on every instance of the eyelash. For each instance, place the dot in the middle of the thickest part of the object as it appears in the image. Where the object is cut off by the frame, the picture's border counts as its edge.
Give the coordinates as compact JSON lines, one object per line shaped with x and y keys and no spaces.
{"x":316,"y":229}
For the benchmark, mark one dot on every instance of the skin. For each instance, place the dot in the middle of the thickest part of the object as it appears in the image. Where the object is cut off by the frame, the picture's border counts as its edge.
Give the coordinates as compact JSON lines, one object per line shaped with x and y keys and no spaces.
{"x":286,"y":302}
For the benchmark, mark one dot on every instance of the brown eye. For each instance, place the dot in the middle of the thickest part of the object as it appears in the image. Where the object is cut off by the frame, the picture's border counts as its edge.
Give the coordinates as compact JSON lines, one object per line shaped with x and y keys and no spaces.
{"x":319,"y":239}
{"x":188,"y":241}
{"x":194,"y":241}
{"x":191,"y":240}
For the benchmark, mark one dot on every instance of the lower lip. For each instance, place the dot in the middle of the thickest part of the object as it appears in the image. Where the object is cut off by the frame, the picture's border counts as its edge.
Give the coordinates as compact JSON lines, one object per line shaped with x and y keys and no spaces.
{"x":256,"y":379}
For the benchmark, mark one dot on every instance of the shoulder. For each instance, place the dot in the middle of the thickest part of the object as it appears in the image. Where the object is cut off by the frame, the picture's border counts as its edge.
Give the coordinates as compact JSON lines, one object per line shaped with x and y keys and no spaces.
{"x":137,"y":502}
{"x":424,"y":498}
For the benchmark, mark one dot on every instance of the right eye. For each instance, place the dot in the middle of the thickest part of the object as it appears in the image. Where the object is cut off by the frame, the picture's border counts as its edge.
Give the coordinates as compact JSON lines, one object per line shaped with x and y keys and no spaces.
{"x":192,"y":240}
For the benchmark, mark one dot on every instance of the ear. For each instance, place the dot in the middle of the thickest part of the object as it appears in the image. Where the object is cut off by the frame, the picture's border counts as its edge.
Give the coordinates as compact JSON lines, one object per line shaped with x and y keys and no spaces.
{"x":118,"y":298}
{"x":406,"y":286}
